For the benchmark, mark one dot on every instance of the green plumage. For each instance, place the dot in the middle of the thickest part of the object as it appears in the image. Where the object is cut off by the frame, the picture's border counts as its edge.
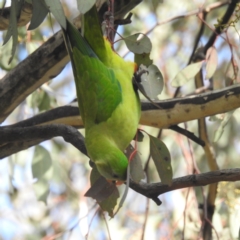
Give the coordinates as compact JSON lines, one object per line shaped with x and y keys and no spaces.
{"x":108,"y":104}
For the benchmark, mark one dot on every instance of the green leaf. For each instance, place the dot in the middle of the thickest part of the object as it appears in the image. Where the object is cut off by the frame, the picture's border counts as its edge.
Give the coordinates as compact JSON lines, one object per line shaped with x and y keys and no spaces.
{"x":39,"y":13}
{"x":143,"y":59}
{"x":55,"y":7}
{"x":140,"y":46}
{"x":41,"y":189}
{"x":3,"y":4}
{"x":162,"y":159}
{"x":136,"y":170}
{"x":186,"y":74}
{"x":152,"y":81}
{"x":104,"y":192}
{"x":84,"y":6}
{"x":12,"y":29}
{"x":211,"y":62}
{"x":19,"y":7}
{"x":35,"y":99}
{"x":224,"y":122}
{"x":140,"y":136}
{"x":239,"y":234}
{"x":5,"y":53}
{"x":41,"y":164}
{"x":45,"y":103}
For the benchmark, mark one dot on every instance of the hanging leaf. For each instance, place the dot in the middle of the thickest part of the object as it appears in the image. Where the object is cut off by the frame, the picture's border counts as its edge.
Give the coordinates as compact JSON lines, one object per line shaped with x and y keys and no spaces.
{"x":211,"y":62}
{"x":45,"y":103}
{"x":186,"y":74}
{"x":239,"y":234}
{"x":3,"y":4}
{"x":152,"y":81}
{"x":42,"y":170}
{"x":34,"y":100}
{"x":104,"y":192}
{"x":42,"y":162}
{"x":136,"y":170}
{"x":162,"y":159}
{"x":143,"y":59}
{"x":41,"y":189}
{"x":224,"y":122}
{"x":39,"y":13}
{"x":55,"y":7}
{"x":84,"y":6}
{"x":5,"y":53}
{"x":140,"y":46}
{"x":139,"y":137}
{"x":12,"y":29}
{"x":19,"y":7}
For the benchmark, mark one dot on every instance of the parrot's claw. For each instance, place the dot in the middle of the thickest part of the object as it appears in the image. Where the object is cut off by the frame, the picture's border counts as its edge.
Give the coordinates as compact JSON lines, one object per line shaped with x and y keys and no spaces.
{"x":137,"y":81}
{"x":108,"y":26}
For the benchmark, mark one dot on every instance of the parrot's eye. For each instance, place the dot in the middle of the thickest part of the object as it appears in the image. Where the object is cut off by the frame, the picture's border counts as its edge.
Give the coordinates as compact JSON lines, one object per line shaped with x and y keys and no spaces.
{"x":115,"y":176}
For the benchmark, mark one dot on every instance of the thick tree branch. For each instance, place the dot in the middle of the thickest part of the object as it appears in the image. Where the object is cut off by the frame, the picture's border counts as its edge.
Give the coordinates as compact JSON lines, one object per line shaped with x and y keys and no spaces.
{"x":170,"y":112}
{"x":23,"y":138}
{"x":153,"y":190}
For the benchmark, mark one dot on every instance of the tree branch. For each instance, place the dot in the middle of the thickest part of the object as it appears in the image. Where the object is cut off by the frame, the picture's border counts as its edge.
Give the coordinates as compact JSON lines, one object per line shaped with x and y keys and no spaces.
{"x":23,"y":138}
{"x":170,"y":112}
{"x":153,"y":190}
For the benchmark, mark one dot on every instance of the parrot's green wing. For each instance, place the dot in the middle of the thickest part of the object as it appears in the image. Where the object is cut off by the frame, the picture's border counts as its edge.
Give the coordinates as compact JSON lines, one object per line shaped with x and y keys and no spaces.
{"x":103,"y":89}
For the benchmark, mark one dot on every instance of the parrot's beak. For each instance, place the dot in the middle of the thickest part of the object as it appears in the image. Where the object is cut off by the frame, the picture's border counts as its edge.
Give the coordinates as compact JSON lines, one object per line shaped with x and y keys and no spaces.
{"x":116,"y":182}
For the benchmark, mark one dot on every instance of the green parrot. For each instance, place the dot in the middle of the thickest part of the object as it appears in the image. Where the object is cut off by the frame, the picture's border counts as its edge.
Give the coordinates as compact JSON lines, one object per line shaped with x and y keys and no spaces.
{"x":108,"y":103}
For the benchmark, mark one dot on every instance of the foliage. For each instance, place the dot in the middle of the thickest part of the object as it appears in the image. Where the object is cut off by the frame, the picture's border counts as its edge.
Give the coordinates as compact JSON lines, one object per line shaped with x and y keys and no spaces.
{"x":56,"y":173}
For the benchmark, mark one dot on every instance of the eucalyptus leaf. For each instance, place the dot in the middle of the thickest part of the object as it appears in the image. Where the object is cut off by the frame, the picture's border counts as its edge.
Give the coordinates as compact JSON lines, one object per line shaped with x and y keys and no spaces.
{"x":5,"y":52}
{"x":84,"y":6}
{"x":39,"y":13}
{"x":162,"y":159}
{"x":19,"y":7}
{"x":143,"y":59}
{"x":104,"y":192}
{"x":239,"y":234}
{"x":12,"y":29}
{"x":211,"y":62}
{"x":55,"y":7}
{"x":139,"y":137}
{"x":41,"y":189}
{"x":223,"y":124}
{"x":45,"y":103}
{"x":41,"y":164}
{"x":136,"y":170}
{"x":4,"y":3}
{"x":138,"y":46}
{"x":186,"y":74}
{"x":34,"y":100}
{"x":152,"y":81}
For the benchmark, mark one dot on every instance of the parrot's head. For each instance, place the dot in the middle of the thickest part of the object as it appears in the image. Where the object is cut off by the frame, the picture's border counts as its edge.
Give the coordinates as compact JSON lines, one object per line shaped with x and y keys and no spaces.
{"x":113,"y":166}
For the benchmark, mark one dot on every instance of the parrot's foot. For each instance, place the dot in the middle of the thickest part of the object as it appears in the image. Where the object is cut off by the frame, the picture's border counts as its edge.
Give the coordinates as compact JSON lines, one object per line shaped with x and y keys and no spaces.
{"x":108,"y":26}
{"x":124,"y":21}
{"x":137,"y":81}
